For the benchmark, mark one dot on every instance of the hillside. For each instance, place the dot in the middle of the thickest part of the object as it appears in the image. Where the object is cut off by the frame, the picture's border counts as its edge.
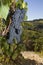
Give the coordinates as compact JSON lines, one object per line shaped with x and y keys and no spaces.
{"x":33,"y":34}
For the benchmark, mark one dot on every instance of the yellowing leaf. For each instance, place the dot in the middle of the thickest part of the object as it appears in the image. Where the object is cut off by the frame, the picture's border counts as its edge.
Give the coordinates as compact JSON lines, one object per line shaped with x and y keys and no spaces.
{"x":23,"y":4}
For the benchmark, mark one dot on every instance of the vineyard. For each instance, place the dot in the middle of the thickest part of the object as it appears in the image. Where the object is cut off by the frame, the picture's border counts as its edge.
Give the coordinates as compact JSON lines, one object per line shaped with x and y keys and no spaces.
{"x":31,"y":40}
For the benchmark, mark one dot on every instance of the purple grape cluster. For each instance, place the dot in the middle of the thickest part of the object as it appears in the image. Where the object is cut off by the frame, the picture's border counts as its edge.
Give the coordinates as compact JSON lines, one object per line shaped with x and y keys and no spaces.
{"x":16,"y":28}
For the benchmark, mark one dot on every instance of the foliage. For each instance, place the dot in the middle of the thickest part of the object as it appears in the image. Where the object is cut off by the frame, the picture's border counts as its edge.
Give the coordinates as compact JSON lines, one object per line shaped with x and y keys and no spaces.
{"x":9,"y":53}
{"x":5,"y":4}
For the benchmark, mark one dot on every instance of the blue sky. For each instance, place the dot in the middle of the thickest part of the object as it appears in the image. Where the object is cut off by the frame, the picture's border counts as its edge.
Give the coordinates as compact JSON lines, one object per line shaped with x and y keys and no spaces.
{"x":35,"y":9}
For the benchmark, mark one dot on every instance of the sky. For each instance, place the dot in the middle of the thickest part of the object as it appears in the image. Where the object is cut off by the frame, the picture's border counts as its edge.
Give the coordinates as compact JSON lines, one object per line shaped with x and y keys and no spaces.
{"x":35,"y":9}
